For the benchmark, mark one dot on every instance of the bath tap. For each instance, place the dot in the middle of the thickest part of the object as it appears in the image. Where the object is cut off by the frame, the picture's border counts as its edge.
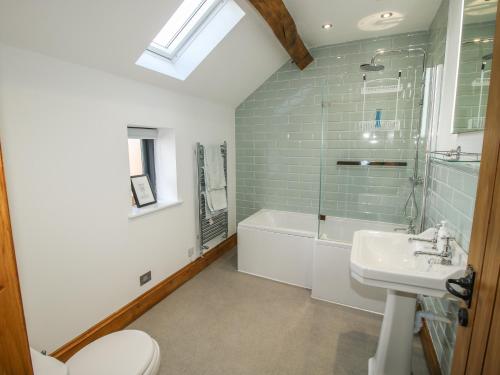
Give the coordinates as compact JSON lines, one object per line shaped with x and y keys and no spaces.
{"x":433,"y":241}
{"x":430,"y":240}
{"x":410,"y":229}
{"x":407,"y":230}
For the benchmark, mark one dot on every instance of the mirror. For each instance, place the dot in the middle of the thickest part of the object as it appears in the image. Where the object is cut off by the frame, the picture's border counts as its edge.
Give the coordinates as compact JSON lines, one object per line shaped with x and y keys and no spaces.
{"x":478,"y":30}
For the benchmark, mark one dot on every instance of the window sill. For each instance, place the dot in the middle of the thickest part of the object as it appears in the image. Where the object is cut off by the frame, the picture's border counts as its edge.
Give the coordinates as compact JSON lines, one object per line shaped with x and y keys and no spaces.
{"x":136,"y":212}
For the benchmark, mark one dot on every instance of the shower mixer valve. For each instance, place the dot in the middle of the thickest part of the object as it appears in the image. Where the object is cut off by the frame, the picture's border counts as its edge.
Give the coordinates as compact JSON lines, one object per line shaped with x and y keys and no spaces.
{"x":416,"y":180}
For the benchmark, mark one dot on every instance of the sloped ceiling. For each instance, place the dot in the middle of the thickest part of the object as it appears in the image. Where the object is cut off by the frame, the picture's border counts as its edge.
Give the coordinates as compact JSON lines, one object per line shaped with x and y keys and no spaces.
{"x":110,"y":35}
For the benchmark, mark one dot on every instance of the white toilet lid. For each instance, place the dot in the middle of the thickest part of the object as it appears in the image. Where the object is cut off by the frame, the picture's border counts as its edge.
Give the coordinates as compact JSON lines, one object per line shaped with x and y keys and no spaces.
{"x":45,"y":365}
{"x":119,"y":353}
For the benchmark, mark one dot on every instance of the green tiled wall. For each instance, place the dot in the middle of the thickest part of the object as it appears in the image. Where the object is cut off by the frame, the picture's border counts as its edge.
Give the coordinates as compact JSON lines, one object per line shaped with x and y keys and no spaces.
{"x":451,"y":197}
{"x":279,"y":134}
{"x":437,"y":35}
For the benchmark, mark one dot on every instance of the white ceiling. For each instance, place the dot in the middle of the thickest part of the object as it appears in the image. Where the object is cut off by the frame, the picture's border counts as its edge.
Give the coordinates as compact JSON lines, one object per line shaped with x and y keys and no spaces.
{"x":358,"y":19}
{"x":111,"y":34}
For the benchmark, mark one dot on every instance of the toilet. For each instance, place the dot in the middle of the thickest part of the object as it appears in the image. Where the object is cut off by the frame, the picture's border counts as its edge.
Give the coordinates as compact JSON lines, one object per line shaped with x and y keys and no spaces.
{"x":119,"y":353}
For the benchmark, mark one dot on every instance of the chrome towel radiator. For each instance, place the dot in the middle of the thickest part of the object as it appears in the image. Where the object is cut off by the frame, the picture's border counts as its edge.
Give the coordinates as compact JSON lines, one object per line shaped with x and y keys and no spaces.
{"x":213,"y":228}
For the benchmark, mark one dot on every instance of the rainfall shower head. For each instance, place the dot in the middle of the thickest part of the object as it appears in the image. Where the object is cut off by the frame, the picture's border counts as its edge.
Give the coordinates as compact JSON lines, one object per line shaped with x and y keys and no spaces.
{"x":372,"y":67}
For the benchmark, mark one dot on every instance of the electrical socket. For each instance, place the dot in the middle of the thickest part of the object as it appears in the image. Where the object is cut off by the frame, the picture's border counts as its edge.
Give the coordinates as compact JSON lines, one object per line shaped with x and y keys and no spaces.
{"x":190,"y":252}
{"x":143,"y":279}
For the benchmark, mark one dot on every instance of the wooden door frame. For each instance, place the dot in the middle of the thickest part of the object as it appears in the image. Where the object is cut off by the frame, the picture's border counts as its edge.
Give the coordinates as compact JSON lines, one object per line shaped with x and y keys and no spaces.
{"x":15,"y":355}
{"x":482,"y":253}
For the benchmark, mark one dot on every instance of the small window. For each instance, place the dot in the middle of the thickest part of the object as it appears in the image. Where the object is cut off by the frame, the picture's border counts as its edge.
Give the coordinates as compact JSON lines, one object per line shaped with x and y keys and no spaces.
{"x":141,"y":153}
{"x":189,"y":18}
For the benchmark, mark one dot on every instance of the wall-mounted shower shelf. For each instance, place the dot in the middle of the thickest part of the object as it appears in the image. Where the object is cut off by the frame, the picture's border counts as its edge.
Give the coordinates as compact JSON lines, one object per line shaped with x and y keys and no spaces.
{"x":387,"y":125}
{"x":364,"y":163}
{"x":456,"y":156}
{"x":383,"y":89}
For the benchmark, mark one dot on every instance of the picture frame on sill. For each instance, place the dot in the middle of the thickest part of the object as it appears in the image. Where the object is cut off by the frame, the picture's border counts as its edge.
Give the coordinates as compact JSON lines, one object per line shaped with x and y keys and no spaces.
{"x":142,"y":191}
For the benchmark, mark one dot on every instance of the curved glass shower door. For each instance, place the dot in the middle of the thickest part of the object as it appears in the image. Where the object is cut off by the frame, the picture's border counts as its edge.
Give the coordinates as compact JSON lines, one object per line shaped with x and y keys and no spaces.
{"x":373,"y":147}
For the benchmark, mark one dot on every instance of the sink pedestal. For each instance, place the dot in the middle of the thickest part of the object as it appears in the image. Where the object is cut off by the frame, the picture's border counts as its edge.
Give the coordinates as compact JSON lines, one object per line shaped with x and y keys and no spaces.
{"x":393,"y":356}
{"x":387,"y":260}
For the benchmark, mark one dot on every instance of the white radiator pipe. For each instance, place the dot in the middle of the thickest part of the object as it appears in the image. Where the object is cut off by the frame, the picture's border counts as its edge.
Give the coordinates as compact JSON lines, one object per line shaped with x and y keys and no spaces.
{"x":427,"y":315}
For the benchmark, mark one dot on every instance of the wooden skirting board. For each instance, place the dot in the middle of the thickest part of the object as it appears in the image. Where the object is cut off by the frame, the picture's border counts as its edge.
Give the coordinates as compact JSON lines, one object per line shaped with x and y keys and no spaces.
{"x":429,"y":351}
{"x":130,"y":312}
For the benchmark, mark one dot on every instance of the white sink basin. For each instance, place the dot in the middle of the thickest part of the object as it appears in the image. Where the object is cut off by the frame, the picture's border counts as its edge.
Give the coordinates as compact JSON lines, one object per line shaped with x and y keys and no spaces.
{"x":387,"y":260}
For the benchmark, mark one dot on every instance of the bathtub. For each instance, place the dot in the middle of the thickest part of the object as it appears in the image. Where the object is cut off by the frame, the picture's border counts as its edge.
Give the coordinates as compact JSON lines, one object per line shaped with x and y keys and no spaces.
{"x":332,"y":279}
{"x":278,"y":245}
{"x":283,"y":246}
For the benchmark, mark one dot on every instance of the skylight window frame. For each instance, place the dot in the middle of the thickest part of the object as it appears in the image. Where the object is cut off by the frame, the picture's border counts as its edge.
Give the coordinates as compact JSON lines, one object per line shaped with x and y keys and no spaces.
{"x":195,"y":30}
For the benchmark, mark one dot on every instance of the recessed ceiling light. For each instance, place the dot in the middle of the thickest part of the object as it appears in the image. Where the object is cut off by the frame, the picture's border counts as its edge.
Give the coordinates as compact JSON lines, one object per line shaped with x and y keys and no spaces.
{"x":327,"y":26}
{"x":386,"y":15}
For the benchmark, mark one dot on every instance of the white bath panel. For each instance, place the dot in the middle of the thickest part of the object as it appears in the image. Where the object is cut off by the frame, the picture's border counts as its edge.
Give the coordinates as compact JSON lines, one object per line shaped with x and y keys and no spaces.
{"x":276,"y":256}
{"x":332,"y":280}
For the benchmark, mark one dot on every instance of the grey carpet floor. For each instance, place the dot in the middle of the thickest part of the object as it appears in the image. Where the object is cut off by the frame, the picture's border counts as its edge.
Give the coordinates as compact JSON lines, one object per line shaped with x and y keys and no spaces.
{"x":226,"y":322}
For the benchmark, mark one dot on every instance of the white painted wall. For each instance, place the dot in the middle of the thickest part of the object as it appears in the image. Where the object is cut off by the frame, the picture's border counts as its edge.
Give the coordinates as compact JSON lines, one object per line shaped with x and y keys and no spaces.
{"x":64,"y":137}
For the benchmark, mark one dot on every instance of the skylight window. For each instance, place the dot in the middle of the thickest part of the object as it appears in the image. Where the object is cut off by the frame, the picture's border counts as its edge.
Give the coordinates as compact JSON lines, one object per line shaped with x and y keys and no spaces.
{"x":189,"y":36}
{"x":187,"y":20}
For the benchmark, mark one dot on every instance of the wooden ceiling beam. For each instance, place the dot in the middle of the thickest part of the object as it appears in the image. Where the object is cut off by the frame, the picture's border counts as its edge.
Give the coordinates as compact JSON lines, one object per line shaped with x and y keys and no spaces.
{"x":281,"y":22}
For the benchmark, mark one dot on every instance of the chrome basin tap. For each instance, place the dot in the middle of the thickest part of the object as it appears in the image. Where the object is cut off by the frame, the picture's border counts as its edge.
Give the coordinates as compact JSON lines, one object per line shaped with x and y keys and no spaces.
{"x":446,"y":254}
